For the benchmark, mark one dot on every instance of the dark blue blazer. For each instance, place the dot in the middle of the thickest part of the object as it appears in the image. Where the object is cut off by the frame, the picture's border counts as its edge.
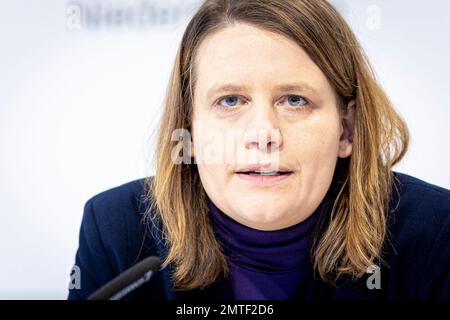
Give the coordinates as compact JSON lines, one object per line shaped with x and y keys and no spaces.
{"x":113,"y":237}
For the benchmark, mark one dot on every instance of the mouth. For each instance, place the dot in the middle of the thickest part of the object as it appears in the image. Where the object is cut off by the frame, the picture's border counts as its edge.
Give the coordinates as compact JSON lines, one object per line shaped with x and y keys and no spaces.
{"x":267,"y":169}
{"x":264,"y":174}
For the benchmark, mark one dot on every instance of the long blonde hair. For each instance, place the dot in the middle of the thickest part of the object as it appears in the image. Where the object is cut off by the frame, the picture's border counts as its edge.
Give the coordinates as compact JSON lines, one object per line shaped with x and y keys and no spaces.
{"x":356,"y":227}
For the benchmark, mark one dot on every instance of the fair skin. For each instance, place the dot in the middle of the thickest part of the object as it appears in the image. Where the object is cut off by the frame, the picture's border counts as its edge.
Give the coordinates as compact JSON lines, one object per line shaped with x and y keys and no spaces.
{"x":312,"y":134}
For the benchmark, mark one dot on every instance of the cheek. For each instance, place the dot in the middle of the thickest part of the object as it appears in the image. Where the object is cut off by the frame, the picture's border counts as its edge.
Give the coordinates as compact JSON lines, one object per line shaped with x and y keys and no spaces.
{"x":315,"y":144}
{"x":208,"y":176}
{"x":219,"y":143}
{"x":209,"y":142}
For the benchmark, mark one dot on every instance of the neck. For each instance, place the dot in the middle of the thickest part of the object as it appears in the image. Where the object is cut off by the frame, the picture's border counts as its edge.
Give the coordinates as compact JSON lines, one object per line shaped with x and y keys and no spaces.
{"x":277,"y":250}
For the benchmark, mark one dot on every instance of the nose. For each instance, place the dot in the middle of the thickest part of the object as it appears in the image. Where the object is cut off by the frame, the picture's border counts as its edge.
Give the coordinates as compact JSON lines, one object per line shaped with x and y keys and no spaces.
{"x":263,"y":134}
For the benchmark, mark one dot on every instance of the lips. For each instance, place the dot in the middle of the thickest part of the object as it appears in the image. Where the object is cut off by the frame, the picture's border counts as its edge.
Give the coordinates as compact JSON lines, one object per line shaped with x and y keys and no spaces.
{"x":264,"y":173}
{"x":264,"y":170}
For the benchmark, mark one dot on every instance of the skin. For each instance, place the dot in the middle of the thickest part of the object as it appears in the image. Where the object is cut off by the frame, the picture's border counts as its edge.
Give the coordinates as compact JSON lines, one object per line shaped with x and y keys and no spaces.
{"x":299,"y":129}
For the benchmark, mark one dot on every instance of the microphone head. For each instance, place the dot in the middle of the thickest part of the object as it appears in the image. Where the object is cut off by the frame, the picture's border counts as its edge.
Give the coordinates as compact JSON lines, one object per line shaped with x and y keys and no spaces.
{"x":127,"y":278}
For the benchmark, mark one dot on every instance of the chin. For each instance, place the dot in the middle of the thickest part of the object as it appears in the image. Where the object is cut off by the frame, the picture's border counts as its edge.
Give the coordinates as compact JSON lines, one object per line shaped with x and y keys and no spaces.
{"x":269,"y":224}
{"x":264,"y":215}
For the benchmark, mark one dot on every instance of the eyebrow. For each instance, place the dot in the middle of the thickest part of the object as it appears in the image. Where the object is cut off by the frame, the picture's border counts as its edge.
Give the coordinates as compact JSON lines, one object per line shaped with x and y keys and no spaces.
{"x":229,"y":87}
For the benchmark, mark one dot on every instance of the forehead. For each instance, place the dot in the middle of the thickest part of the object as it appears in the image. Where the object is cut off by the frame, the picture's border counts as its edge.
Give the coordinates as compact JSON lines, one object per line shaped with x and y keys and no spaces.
{"x":244,"y":53}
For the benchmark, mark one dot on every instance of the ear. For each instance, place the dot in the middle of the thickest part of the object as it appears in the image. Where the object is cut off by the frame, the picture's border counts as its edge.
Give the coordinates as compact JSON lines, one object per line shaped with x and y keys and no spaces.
{"x":347,"y":129}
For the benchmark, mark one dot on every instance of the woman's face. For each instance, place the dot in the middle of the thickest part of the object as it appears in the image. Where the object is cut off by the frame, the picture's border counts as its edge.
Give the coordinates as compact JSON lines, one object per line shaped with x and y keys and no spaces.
{"x":260,"y":100}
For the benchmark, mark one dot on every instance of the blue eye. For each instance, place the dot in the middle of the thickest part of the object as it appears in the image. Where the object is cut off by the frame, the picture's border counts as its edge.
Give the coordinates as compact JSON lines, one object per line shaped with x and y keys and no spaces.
{"x":230,"y":101}
{"x":296,"y":101}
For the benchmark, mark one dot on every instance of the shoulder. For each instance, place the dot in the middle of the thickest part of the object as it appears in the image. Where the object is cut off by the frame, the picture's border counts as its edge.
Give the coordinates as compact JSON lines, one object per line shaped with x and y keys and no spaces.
{"x":113,"y":235}
{"x":419,"y":232}
{"x":413,"y":184}
{"x":116,"y":212}
{"x":425,"y":205}
{"x":118,"y":217}
{"x":128,"y":197}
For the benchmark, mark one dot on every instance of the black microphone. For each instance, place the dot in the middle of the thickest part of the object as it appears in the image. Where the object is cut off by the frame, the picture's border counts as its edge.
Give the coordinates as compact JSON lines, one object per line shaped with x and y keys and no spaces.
{"x":128,"y":281}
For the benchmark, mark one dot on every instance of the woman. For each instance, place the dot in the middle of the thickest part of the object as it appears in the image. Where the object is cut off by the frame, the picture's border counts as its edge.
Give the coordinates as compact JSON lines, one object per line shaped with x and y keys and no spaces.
{"x":273,"y":173}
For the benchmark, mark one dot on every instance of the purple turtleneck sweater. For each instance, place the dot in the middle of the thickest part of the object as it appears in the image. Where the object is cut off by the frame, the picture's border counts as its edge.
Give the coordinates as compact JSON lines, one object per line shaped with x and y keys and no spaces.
{"x":272,"y":265}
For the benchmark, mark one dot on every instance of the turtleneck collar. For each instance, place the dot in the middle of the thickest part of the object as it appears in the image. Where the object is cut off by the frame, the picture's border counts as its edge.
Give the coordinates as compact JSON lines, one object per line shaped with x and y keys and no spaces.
{"x":284,"y":250}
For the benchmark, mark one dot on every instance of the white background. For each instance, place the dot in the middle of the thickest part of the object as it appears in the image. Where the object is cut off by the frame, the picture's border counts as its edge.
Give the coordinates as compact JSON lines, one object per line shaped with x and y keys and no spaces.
{"x":78,"y":108}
